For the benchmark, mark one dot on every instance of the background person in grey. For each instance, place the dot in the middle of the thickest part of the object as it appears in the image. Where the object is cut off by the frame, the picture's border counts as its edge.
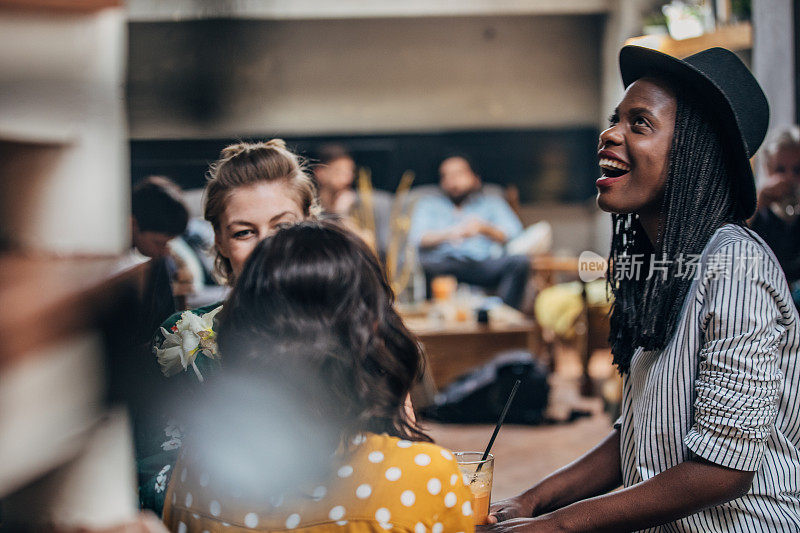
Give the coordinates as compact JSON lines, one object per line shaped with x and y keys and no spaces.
{"x":709,"y":436}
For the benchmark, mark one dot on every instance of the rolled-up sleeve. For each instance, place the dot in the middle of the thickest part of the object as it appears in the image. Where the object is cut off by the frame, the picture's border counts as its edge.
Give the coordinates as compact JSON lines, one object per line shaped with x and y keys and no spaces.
{"x":739,"y":379}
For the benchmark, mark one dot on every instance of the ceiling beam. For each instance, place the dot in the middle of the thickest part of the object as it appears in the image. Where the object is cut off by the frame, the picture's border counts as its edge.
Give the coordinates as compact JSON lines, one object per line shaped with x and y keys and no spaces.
{"x":177,"y":10}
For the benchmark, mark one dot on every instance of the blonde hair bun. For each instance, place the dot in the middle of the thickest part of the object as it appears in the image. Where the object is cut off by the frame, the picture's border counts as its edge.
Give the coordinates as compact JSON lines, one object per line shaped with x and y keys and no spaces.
{"x":233,"y":150}
{"x":276,"y":143}
{"x":243,"y":164}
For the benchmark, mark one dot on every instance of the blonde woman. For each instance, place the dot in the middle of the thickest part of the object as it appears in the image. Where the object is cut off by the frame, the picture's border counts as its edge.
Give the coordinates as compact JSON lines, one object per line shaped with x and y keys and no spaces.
{"x":252,"y":189}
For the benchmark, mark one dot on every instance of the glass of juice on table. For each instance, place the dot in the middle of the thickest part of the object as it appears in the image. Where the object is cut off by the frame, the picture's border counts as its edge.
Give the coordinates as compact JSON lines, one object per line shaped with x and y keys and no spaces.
{"x":477,"y":474}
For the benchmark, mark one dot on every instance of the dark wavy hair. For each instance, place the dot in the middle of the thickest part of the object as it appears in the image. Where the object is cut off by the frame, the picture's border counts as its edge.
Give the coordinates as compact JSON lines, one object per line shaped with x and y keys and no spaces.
{"x":697,"y":200}
{"x":313,"y":307}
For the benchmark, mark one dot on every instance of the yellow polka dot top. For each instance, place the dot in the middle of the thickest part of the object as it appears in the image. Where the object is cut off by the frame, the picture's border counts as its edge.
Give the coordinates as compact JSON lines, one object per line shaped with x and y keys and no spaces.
{"x":385,"y":484}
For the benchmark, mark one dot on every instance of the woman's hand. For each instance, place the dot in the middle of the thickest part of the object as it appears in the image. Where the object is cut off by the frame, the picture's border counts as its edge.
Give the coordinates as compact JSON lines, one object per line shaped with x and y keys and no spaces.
{"x":509,"y":509}
{"x":543,"y":524}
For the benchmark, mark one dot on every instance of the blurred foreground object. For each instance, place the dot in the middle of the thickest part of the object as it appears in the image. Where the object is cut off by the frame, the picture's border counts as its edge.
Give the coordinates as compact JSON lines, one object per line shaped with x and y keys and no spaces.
{"x":62,"y":128}
{"x":70,"y":310}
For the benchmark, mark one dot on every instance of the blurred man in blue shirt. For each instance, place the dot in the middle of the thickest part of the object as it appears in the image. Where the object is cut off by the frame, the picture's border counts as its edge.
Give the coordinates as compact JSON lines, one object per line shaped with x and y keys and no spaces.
{"x":462,"y":231}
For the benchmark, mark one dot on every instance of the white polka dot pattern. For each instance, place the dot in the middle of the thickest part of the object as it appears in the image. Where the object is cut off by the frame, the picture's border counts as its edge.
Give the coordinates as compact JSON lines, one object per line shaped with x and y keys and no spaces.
{"x":215,"y":508}
{"x":450,"y":499}
{"x":293,"y":521}
{"x":391,"y":481}
{"x":375,"y":457}
{"x":363,"y":491}
{"x":181,"y":527}
{"x":383,"y":515}
{"x":393,"y":474}
{"x":251,"y":520}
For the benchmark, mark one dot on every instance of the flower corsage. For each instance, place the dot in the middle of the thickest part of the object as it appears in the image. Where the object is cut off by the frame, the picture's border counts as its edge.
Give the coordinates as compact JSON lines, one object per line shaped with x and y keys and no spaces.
{"x":191,"y":336}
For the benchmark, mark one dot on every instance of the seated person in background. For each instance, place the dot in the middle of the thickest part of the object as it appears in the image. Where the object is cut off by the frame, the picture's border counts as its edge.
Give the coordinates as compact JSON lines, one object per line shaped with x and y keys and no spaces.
{"x":777,"y":220}
{"x":308,"y":425}
{"x":158,"y":216}
{"x":462,"y":232}
{"x":335,"y":174}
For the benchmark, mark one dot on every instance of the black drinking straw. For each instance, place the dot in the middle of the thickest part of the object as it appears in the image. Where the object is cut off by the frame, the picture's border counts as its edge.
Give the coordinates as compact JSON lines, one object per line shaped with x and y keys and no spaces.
{"x":497,"y":427}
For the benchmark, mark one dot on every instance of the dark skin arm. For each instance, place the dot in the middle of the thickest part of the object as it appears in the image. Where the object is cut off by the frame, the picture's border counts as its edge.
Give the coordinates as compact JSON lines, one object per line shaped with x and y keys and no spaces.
{"x":680,"y":491}
{"x":596,"y":472}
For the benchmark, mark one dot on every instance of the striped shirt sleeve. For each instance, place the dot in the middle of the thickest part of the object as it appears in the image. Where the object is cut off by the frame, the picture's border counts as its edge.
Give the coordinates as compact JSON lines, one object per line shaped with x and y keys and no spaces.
{"x":739,"y":379}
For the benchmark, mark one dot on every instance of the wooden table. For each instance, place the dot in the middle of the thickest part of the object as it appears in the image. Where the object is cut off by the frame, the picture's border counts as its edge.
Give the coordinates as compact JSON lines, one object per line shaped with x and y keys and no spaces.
{"x":453,"y":347}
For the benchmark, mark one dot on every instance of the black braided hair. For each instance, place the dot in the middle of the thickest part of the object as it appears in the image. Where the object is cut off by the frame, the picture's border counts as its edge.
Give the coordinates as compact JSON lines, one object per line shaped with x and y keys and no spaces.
{"x":697,"y":200}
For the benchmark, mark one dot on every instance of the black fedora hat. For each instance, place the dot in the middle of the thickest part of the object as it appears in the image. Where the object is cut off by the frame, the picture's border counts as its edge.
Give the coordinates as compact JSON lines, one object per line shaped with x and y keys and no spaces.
{"x":728,"y":89}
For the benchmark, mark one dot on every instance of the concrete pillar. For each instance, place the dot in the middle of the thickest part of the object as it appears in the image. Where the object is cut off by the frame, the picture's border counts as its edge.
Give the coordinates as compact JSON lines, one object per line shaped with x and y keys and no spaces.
{"x":773,"y":57}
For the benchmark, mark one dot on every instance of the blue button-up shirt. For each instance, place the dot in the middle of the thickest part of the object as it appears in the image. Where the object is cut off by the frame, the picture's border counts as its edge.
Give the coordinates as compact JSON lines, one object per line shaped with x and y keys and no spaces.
{"x":437,"y":212}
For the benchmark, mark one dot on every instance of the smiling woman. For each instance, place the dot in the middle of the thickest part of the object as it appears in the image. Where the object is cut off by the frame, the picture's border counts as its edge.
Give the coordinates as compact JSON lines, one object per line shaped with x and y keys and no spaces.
{"x":252,"y":189}
{"x":634,"y":149}
{"x":703,"y":328}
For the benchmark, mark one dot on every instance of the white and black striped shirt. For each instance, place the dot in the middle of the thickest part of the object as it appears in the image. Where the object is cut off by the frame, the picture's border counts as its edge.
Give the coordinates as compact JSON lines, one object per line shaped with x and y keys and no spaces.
{"x":725,"y":388}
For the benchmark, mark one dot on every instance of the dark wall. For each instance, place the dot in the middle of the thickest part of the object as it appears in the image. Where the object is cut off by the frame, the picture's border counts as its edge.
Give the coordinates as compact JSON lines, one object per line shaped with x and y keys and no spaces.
{"x":546,"y":165}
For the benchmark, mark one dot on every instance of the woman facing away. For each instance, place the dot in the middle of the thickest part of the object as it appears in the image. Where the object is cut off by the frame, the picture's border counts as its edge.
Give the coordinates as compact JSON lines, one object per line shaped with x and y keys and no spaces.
{"x":252,"y":189}
{"x":307,"y":427}
{"x":703,"y":327}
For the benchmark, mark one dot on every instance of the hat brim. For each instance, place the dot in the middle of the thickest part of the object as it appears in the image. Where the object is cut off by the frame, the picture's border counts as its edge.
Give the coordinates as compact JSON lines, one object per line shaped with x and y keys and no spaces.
{"x":636,"y":62}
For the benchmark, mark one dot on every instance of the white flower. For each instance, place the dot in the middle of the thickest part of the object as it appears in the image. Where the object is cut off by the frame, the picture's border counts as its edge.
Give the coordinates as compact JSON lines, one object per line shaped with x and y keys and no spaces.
{"x":191,"y":335}
{"x":161,"y":479}
{"x":170,"y":358}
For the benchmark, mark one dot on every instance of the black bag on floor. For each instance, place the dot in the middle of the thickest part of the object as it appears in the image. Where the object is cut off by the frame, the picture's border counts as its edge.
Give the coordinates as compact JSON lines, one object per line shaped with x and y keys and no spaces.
{"x":479,"y":396}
